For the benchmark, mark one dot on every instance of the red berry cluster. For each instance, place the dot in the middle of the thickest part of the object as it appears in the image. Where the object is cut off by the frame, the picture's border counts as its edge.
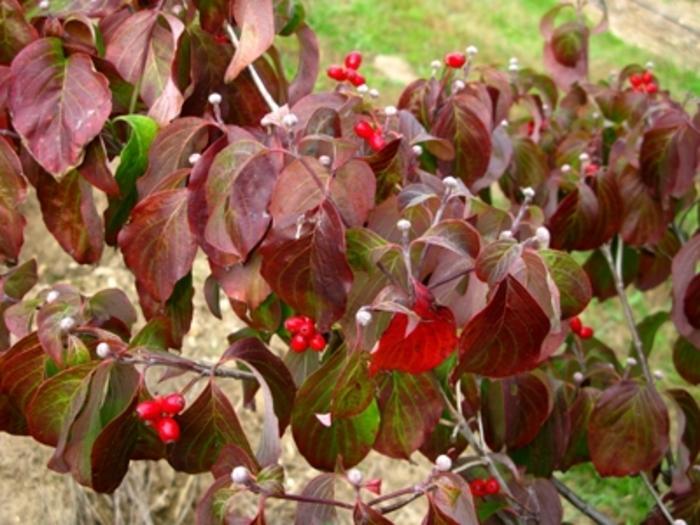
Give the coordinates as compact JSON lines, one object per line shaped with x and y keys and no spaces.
{"x":577,"y":327}
{"x":159,"y":412}
{"x":644,"y":83}
{"x":304,"y":334}
{"x":353,"y":61}
{"x":455,"y":60}
{"x":484,"y":487}
{"x":372,"y":135}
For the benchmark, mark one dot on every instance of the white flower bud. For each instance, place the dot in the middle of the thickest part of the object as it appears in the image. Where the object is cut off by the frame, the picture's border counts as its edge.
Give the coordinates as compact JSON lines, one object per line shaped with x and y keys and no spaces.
{"x":578,"y":378}
{"x":103,"y":350}
{"x":325,"y":160}
{"x":583,"y":157}
{"x":649,"y":65}
{"x":364,"y":88}
{"x":44,"y":4}
{"x":595,"y":115}
{"x":355,"y":476}
{"x":680,"y":522}
{"x":565,"y":168}
{"x":528,"y":192}
{"x":436,"y":64}
{"x":513,"y":68}
{"x":545,"y":107}
{"x":513,"y":60}
{"x":443,"y":463}
{"x":240,"y":475}
{"x":52,"y":296}
{"x":194,"y":158}
{"x":658,"y":375}
{"x":504,"y":123}
{"x":290,"y":120}
{"x":417,"y":150}
{"x":505,"y":235}
{"x":390,"y":111}
{"x":66,"y":323}
{"x":450,"y":182}
{"x":214,"y":99}
{"x":177,"y":10}
{"x":472,"y":50}
{"x":631,"y":361}
{"x":458,"y":85}
{"x":374,"y":93}
{"x":543,"y":236}
{"x":363,"y":317}
{"x":403,"y":225}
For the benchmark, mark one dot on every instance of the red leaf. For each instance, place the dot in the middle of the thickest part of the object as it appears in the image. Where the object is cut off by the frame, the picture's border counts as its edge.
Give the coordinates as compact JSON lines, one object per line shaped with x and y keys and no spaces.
{"x":257,"y":22}
{"x":506,"y":336}
{"x":70,"y":214}
{"x":307,"y":71}
{"x":158,"y":245}
{"x":59,"y":103}
{"x":628,"y":430}
{"x":15,"y":31}
{"x":420,"y":348}
{"x":683,"y":272}
{"x":12,"y":194}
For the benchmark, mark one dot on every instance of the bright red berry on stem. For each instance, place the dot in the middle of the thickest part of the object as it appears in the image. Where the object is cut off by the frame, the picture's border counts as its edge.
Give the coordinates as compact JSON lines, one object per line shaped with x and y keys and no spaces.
{"x":364,"y":129}
{"x":652,"y":88}
{"x":647,"y":77}
{"x":575,"y":324}
{"x":591,"y":169}
{"x":377,"y":142}
{"x":173,"y":403}
{"x":168,"y":430}
{"x":293,"y":323}
{"x":455,"y":60}
{"x":149,"y":410}
{"x":299,"y":343}
{"x":636,"y":80}
{"x":353,"y":60}
{"x":586,"y":332}
{"x":317,"y":342}
{"x":337,"y":73}
{"x":478,"y":487}
{"x":307,"y":329}
{"x":355,"y":78}
{"x":492,"y":486}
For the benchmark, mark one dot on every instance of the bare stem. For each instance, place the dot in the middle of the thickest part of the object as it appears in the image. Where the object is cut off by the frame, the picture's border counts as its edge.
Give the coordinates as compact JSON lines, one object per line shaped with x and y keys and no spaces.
{"x":187,"y":364}
{"x":253,"y":73}
{"x":616,"y":270}
{"x":657,"y":497}
{"x":310,"y":499}
{"x":581,"y":505}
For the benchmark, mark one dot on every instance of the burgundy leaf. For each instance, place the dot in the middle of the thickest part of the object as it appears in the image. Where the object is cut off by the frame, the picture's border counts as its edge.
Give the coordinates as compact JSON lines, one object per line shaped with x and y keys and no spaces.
{"x":686,"y":359}
{"x":12,"y":194}
{"x":363,"y":514}
{"x":322,"y":486}
{"x":628,"y":430}
{"x":15,"y":32}
{"x":683,"y":272}
{"x":505,"y":338}
{"x":451,"y":503}
{"x":59,"y":103}
{"x":158,"y":245}
{"x":307,"y":70}
{"x":256,"y":20}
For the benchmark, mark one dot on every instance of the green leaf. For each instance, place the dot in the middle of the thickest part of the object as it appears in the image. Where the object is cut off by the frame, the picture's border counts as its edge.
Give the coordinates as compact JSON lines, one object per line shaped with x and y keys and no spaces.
{"x":410,"y":406}
{"x":686,"y":359}
{"x":15,"y":31}
{"x":575,"y":290}
{"x":347,"y":440}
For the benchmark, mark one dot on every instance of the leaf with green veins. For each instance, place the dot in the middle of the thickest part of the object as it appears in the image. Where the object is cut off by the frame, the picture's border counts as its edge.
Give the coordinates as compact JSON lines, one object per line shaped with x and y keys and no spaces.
{"x":132,"y":164}
{"x":574,"y":286}
{"x":13,"y":191}
{"x":348,"y":438}
{"x":208,"y":424}
{"x":686,"y":359}
{"x":353,"y":391}
{"x":410,"y":406}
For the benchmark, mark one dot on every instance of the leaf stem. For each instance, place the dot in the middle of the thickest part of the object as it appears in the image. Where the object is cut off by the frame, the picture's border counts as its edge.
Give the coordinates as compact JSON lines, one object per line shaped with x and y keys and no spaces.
{"x":616,"y":270}
{"x":311,"y":499}
{"x":188,"y":365}
{"x":573,"y":498}
{"x":253,"y":73}
{"x":657,"y":498}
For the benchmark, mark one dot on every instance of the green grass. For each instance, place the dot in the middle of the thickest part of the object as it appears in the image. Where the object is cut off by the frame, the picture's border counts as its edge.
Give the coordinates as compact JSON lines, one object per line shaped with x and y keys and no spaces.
{"x":420,"y":31}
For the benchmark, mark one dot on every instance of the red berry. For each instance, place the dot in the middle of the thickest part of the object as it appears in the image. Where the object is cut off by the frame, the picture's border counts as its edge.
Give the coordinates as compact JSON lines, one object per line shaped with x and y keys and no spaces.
{"x":652,"y":88}
{"x":591,"y":169}
{"x":586,"y":332}
{"x":353,"y":60}
{"x":355,"y":78}
{"x":317,"y":342}
{"x":149,"y":410}
{"x":647,"y":77}
{"x":307,"y":329}
{"x":168,"y":430}
{"x":531,"y":127}
{"x":492,"y":486}
{"x":377,"y":142}
{"x":478,"y":487}
{"x":455,"y":60}
{"x":173,"y":404}
{"x":364,"y":129}
{"x":575,"y":324}
{"x":337,"y":73}
{"x":293,"y":323}
{"x":636,"y":80}
{"x":299,"y":343}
